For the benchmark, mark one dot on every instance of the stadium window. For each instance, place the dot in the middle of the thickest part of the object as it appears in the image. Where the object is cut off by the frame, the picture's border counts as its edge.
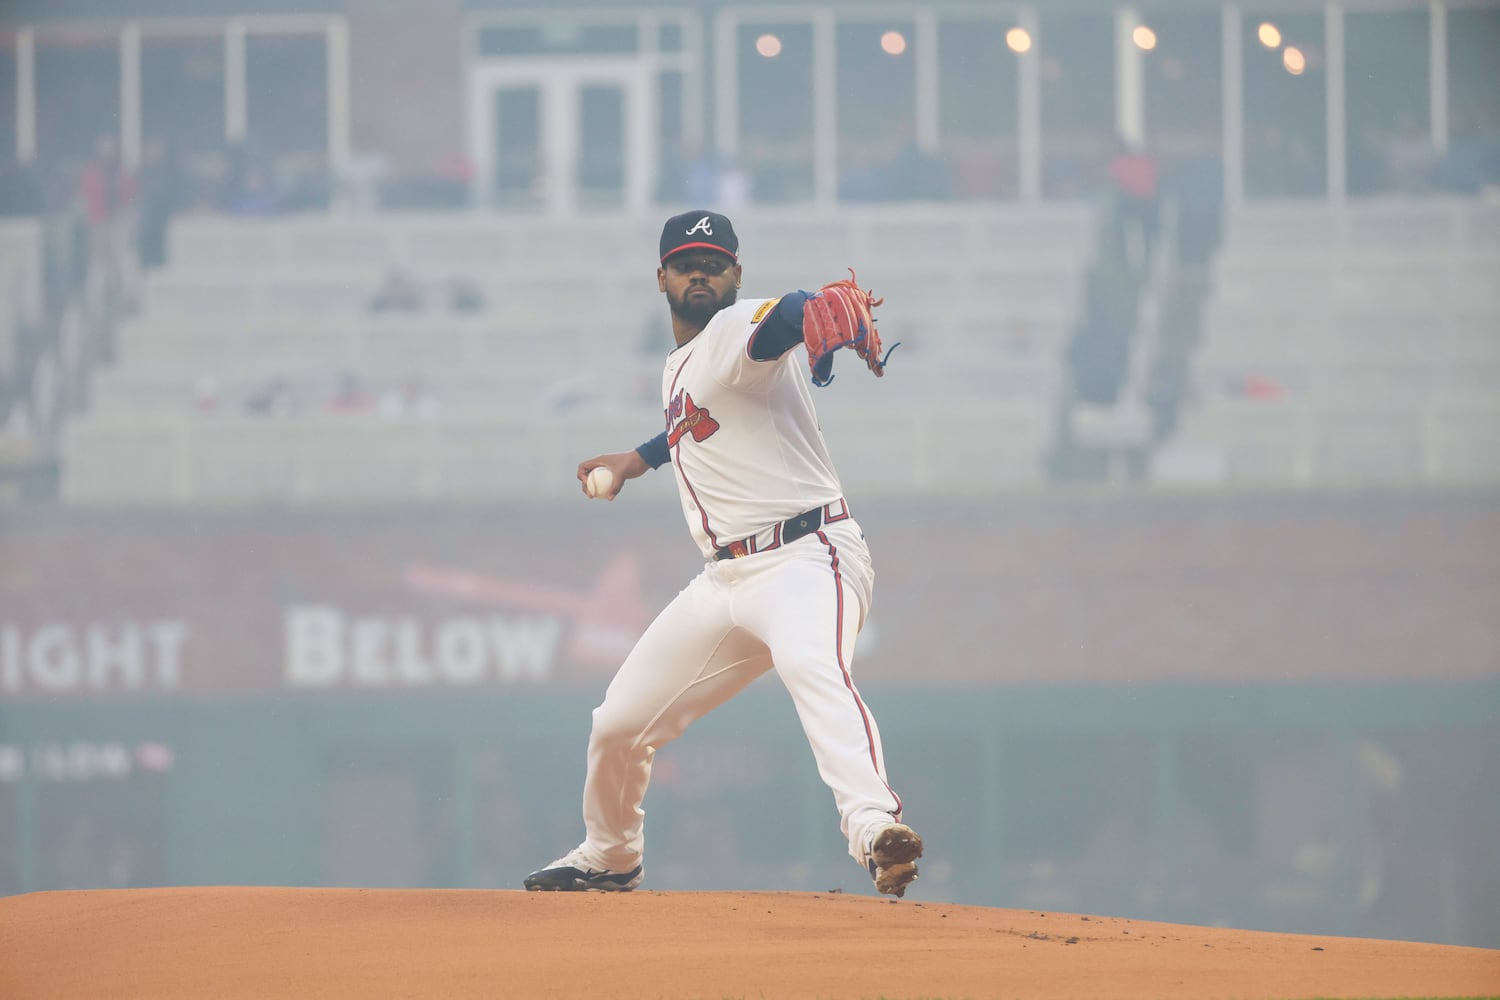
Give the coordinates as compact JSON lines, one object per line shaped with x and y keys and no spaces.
{"x":1386,"y":74}
{"x":77,"y":95}
{"x":878,"y":158}
{"x":1473,"y":100}
{"x":182,"y":92}
{"x":1078,"y":101}
{"x":776,"y":113}
{"x":286,"y":79}
{"x":1286,"y":134}
{"x":7,"y":97}
{"x":977,"y":107}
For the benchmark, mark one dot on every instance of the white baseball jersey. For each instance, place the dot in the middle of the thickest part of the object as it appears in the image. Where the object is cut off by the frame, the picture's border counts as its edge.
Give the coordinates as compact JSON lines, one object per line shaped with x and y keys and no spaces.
{"x":744,"y":436}
{"x":748,"y":455}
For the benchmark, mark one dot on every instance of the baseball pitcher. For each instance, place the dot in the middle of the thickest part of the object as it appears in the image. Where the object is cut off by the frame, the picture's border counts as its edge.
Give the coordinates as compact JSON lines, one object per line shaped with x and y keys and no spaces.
{"x":787,"y":580}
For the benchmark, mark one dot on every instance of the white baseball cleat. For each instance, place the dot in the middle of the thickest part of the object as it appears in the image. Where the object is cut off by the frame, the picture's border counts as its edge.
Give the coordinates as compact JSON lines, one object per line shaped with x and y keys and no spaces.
{"x":894,"y":850}
{"x":575,"y":872}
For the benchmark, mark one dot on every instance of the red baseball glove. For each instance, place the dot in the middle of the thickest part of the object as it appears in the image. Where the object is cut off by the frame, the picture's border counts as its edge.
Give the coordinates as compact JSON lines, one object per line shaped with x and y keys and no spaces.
{"x":839,"y":315}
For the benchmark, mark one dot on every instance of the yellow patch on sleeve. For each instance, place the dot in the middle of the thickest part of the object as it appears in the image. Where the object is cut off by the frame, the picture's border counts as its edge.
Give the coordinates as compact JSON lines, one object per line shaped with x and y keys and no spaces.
{"x":765,"y":307}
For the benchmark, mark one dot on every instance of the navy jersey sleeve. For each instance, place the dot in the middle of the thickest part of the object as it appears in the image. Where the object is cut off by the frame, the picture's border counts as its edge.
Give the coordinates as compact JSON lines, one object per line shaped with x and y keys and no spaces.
{"x":781,"y":331}
{"x":655,"y":452}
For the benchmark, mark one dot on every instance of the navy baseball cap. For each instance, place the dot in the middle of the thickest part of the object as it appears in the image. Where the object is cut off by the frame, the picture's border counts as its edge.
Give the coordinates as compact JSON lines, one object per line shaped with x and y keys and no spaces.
{"x":699,"y":230}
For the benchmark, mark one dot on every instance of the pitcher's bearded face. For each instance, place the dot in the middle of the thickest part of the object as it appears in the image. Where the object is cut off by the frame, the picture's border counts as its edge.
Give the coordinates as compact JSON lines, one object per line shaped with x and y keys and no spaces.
{"x":698,"y":285}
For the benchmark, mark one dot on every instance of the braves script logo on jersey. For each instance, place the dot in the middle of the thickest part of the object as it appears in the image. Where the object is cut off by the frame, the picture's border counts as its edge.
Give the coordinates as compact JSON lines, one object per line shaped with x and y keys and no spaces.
{"x":702,"y":226}
{"x":686,"y":418}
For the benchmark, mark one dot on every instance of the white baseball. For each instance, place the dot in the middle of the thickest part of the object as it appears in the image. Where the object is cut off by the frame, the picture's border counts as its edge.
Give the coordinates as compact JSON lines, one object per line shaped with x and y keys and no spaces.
{"x":599,"y":482}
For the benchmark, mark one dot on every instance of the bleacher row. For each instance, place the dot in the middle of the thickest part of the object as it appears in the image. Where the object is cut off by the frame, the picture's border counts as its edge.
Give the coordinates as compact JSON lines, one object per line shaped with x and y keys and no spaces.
{"x":1348,"y":348}
{"x":557,"y":354}
{"x":1341,"y":347}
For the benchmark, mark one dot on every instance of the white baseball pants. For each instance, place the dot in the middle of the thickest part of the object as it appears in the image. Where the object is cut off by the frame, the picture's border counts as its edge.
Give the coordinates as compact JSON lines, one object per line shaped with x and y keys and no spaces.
{"x":797,"y":608}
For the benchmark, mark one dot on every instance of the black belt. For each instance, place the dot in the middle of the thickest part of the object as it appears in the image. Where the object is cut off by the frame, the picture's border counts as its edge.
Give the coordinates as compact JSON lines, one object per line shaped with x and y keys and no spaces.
{"x":792,"y":529}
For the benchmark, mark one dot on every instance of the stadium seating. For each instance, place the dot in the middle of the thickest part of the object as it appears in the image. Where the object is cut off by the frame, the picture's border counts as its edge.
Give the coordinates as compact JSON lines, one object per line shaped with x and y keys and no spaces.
{"x":20,"y":283}
{"x":225,"y":381}
{"x":1347,"y":348}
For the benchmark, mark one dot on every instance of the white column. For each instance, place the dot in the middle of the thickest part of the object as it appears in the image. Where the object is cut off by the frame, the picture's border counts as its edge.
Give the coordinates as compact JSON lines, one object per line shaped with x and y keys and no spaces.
{"x":1437,"y":73}
{"x":236,"y":104}
{"x":1233,"y":87}
{"x":130,"y":95}
{"x":925,"y":53}
{"x":694,"y":130}
{"x":26,"y":95}
{"x":825,"y":109}
{"x":727,"y":85}
{"x":642,"y":139}
{"x":337,"y":42}
{"x":560,"y":135}
{"x":1130,"y":79}
{"x":481,"y":135}
{"x":1333,"y":35}
{"x":1029,"y":112}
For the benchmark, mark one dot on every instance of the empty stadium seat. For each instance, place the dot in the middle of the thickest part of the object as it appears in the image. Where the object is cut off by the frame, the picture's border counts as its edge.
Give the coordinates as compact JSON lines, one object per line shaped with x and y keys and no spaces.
{"x":562,"y":354}
{"x":1363,"y":323}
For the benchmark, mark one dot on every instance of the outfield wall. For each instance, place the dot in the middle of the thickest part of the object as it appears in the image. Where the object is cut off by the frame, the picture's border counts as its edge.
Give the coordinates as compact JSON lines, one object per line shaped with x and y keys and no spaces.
{"x":1266,"y":712}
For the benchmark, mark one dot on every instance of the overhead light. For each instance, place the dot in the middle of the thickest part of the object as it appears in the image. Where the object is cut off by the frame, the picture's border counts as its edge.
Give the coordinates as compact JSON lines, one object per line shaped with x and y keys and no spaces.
{"x":768,"y":45}
{"x":893,"y":43}
{"x":1294,"y":61}
{"x":1019,"y":40}
{"x":1269,"y":34}
{"x":1144,"y":38}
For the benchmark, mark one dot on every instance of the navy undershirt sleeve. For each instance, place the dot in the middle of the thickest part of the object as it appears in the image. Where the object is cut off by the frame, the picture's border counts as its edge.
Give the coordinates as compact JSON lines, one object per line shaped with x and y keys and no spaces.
{"x":655,"y":452}
{"x":781,"y":331}
{"x":778,"y":333}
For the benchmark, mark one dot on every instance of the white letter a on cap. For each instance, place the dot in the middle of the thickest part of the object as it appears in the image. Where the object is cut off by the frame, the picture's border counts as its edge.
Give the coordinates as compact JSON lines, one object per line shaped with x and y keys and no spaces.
{"x":704,"y":225}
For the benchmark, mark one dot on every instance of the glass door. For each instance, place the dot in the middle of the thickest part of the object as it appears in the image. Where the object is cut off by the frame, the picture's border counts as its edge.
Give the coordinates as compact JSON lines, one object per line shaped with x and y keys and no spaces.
{"x":603,"y":156}
{"x":559,"y":136}
{"x":516,"y":178}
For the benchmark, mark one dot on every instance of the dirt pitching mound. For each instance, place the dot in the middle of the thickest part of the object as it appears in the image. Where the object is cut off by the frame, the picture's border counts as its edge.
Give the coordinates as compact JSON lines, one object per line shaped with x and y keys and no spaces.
{"x":225,"y":943}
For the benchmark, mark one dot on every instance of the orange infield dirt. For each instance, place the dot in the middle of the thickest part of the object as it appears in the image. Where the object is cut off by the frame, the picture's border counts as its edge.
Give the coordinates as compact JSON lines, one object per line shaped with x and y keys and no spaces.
{"x":220,"y":943}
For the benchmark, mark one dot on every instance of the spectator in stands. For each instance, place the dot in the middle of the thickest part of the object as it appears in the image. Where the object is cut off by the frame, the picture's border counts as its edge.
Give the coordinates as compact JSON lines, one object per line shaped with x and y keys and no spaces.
{"x":239,"y":158}
{"x":307,"y":185}
{"x":982,"y":169}
{"x":912,"y":172}
{"x":207,"y":394}
{"x":1411,"y":161}
{"x":107,"y":191}
{"x":359,"y":181}
{"x":711,"y":179}
{"x":410,"y":400}
{"x":257,"y":196}
{"x":464,"y":296}
{"x":454,"y":175}
{"x":275,"y":398}
{"x":398,"y":292}
{"x":701,"y":177}
{"x":1197,"y":185}
{"x":1134,"y":178}
{"x":160,"y":187}
{"x":106,"y":186}
{"x":736,"y":187}
{"x":1262,"y":387}
{"x":349,"y":395}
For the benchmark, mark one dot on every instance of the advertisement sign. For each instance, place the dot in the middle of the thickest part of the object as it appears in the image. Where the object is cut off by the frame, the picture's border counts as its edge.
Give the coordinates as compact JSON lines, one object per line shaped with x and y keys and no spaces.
{"x":966,"y":594}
